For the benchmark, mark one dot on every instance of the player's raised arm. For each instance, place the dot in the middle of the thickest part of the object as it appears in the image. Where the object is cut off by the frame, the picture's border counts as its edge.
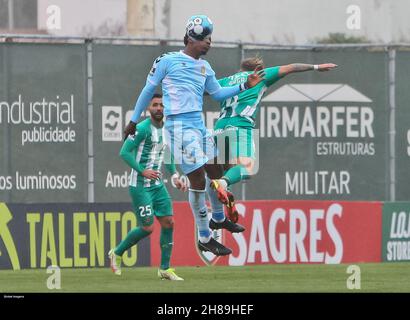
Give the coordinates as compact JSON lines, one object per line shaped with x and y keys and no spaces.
{"x":155,"y":76}
{"x":302,"y":67}
{"x":141,"y":104}
{"x":219,"y":93}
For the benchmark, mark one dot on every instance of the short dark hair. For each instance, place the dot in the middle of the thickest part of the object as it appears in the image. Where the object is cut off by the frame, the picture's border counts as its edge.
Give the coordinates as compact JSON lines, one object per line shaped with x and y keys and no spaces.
{"x":185,"y":39}
{"x":156,"y":95}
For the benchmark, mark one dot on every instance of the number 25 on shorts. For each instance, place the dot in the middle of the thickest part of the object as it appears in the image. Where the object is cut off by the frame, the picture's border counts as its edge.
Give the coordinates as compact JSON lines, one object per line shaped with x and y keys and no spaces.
{"x":145,"y":210}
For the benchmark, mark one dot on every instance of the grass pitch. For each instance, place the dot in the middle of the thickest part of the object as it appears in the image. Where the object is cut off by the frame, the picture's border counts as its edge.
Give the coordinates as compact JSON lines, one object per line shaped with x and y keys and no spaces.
{"x":380,"y":277}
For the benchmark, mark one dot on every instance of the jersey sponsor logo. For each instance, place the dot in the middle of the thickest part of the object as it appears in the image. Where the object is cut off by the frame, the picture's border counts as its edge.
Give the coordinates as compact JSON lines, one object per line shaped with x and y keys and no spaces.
{"x":111,"y":123}
{"x":203,"y":70}
{"x":238,"y":78}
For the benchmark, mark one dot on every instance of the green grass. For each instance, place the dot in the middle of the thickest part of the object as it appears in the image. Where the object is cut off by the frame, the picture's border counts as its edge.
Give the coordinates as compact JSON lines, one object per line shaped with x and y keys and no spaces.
{"x":381,"y":277}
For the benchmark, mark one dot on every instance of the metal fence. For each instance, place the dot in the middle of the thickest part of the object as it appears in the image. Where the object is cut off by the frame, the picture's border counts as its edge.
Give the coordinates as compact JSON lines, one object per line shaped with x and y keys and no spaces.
{"x":337,"y":135}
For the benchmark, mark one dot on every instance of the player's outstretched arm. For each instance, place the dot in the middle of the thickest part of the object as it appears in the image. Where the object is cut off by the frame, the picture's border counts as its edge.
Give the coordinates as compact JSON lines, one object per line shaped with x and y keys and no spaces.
{"x":302,"y":67}
{"x":157,"y":73}
{"x":254,"y":78}
{"x":141,"y":104}
{"x":219,"y":93}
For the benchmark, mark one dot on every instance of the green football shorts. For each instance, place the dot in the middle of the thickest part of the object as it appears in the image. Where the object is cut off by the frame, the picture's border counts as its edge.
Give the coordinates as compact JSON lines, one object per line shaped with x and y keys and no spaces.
{"x":234,"y":141}
{"x":150,"y":202}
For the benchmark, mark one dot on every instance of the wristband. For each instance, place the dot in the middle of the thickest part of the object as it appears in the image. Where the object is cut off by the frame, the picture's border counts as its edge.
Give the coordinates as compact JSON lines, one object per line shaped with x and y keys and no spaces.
{"x":243,"y":86}
{"x":315,"y":67}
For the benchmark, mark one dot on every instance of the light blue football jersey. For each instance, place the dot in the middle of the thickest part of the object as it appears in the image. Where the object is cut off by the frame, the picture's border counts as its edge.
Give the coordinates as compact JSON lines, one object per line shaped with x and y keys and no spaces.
{"x":184,"y":80}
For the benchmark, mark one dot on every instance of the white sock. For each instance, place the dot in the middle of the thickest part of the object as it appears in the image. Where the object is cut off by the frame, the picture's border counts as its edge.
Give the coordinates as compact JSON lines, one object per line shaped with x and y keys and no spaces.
{"x":200,"y":212}
{"x":218,"y":214}
{"x":223,"y":183}
{"x":204,"y":239}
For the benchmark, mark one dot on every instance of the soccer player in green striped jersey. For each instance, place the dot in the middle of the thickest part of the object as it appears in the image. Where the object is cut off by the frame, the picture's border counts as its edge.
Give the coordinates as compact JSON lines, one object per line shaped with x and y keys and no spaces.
{"x":238,"y":115}
{"x":144,"y":152}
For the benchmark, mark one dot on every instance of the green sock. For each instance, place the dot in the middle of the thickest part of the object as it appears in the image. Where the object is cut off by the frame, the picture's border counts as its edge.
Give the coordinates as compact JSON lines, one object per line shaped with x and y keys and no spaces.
{"x":236,"y":174}
{"x":132,"y":238}
{"x":166,"y":242}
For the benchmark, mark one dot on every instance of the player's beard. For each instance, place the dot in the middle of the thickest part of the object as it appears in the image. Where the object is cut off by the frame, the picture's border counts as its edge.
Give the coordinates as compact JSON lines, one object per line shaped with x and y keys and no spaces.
{"x":159,"y":116}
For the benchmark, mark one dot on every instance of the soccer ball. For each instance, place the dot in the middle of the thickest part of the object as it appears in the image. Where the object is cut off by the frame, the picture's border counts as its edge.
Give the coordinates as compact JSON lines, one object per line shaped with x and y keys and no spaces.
{"x":199,"y":27}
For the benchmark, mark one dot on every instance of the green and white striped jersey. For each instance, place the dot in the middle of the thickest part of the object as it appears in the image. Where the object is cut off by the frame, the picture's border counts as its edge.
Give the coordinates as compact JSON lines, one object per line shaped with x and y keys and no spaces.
{"x":244,"y":106}
{"x":146,"y":149}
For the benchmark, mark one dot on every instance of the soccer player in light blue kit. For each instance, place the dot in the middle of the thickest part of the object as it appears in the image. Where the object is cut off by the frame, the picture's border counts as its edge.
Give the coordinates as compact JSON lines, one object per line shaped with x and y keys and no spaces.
{"x":185,"y":77}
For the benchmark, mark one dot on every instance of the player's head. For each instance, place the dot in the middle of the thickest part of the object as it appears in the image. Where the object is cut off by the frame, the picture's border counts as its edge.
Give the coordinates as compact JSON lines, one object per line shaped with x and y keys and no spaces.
{"x":199,"y":27}
{"x":156,"y":108}
{"x":198,"y":33}
{"x":249,"y":64}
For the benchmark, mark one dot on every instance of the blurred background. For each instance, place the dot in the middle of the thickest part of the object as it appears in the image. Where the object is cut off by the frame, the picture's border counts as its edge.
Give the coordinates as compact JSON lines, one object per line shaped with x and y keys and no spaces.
{"x":262,"y":21}
{"x":105,"y":49}
{"x":71,"y":71}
